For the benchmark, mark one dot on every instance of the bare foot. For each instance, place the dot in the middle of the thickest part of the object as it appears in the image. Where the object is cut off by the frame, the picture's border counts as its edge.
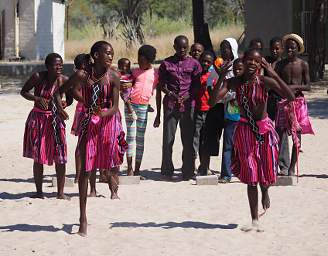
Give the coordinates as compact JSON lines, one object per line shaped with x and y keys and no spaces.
{"x":63,"y":197}
{"x":83,"y":229}
{"x":130,"y":171}
{"x":93,"y":194}
{"x":38,"y":195}
{"x":256,"y":226}
{"x":265,"y":199}
{"x":114,"y":196}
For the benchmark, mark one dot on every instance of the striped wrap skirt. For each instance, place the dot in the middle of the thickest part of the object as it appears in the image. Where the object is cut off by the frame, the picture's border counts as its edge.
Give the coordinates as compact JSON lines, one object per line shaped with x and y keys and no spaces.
{"x":39,"y":139}
{"x":254,"y":162}
{"x":105,"y":143}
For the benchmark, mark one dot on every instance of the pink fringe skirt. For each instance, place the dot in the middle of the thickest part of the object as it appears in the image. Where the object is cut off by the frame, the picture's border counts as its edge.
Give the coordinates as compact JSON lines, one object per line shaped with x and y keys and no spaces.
{"x":39,"y":140}
{"x":254,"y":162}
{"x":294,"y":113}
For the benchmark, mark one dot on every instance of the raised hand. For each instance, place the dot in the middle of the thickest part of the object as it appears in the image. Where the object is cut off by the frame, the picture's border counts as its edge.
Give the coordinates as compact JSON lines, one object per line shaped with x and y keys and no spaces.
{"x":268,"y":68}
{"x":157,"y":121}
{"x":224,"y":69}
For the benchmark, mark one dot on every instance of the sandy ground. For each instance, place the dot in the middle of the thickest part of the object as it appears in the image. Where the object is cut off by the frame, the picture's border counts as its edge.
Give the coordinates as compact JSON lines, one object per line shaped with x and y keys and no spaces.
{"x":156,"y":217}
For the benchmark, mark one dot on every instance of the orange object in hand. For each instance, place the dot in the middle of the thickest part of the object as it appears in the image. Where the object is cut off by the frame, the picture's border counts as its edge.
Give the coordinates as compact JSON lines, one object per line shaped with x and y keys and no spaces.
{"x":218,"y":62}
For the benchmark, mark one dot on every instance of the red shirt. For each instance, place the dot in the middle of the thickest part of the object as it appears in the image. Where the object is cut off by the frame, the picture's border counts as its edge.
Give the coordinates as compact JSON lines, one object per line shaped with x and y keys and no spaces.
{"x":203,"y":95}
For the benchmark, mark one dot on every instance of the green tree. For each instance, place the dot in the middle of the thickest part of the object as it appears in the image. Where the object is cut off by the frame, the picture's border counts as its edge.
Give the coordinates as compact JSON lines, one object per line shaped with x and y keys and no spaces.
{"x":129,"y":13}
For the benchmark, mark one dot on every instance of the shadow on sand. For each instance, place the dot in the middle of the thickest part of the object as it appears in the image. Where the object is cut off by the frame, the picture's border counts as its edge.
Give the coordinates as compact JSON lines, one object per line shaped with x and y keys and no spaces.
{"x":318,"y":176}
{"x":170,"y":225}
{"x":67,"y":228}
{"x":30,"y":180}
{"x":155,"y":175}
{"x":9,"y":196}
{"x":318,"y":108}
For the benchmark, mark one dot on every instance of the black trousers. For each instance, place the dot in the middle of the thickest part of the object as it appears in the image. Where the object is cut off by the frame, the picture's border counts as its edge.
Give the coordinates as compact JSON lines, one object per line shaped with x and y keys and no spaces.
{"x":173,"y":117}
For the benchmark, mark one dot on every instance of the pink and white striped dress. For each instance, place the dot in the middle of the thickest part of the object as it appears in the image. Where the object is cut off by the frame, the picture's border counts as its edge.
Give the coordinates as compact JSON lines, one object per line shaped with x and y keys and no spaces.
{"x":105,"y":143}
{"x":79,"y":112}
{"x":39,"y":138}
{"x":254,"y":162}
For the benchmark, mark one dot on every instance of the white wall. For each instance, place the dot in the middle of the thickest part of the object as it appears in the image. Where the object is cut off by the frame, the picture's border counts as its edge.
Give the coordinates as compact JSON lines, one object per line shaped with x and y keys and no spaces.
{"x":44,"y":29}
{"x":50,"y":21}
{"x":58,"y":28}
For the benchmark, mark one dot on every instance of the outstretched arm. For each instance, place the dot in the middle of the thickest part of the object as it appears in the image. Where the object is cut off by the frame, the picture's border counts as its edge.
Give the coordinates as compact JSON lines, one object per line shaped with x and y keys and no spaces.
{"x":275,"y":83}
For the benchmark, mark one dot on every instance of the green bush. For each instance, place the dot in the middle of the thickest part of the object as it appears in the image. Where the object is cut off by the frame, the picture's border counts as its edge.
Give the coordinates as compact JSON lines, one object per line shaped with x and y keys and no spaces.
{"x":162,"y":26}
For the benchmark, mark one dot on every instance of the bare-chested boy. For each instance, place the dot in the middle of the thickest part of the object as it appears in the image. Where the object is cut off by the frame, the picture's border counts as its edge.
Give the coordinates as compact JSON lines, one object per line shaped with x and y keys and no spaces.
{"x":295,"y":72}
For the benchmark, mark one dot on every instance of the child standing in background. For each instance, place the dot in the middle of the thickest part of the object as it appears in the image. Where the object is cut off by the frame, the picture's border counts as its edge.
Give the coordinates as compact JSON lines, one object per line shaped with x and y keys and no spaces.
{"x":196,"y":51}
{"x":145,"y":80}
{"x":126,"y":80}
{"x":277,"y":49}
{"x":201,"y":109}
{"x":231,"y":118}
{"x":292,"y":116}
{"x":81,"y":62}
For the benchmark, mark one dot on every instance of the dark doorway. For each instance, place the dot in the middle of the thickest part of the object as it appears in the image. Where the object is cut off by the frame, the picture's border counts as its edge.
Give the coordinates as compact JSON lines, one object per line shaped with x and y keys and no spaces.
{"x":2,"y":34}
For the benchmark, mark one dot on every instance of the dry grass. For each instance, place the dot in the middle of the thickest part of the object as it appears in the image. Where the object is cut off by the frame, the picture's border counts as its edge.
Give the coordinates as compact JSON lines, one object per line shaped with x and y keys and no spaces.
{"x":162,"y":43}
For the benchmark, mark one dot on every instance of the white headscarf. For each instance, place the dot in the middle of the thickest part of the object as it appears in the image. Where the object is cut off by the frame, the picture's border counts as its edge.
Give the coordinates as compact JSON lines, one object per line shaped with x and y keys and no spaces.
{"x":234,"y":48}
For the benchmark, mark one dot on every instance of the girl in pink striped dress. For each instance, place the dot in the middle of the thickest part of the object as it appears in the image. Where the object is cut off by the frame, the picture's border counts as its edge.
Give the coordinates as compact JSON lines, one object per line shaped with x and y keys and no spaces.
{"x":81,"y":62}
{"x":255,"y":139}
{"x":101,"y":136}
{"x":44,"y":136}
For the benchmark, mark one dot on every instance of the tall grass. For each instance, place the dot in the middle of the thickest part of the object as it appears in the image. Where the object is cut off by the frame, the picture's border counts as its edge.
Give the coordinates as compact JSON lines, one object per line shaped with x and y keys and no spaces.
{"x":162,"y":41}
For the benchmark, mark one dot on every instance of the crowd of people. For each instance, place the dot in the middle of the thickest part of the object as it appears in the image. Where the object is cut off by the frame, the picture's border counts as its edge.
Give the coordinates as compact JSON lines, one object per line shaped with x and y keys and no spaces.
{"x":255,"y":102}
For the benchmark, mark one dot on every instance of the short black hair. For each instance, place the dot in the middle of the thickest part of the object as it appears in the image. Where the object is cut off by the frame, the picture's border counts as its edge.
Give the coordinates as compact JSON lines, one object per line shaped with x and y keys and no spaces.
{"x":121,"y":61}
{"x":147,"y":51}
{"x":275,"y":39}
{"x":194,"y":44}
{"x":96,"y":47}
{"x":180,"y":38}
{"x":51,"y":57}
{"x":209,"y":53}
{"x":251,"y":50}
{"x":237,"y":61}
{"x":255,"y":41}
{"x":80,"y":59}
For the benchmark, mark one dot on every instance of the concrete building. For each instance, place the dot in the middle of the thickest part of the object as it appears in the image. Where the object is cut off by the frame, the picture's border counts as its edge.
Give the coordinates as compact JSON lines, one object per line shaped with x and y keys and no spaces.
{"x":30,"y":29}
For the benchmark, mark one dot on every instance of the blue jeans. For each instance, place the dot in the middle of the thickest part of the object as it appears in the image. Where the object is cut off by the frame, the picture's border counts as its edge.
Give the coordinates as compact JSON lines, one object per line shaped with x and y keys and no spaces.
{"x":228,"y":132}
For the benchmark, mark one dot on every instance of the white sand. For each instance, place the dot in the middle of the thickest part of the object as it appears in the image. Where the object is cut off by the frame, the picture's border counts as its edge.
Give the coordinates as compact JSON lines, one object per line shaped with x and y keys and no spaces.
{"x":156,"y":217}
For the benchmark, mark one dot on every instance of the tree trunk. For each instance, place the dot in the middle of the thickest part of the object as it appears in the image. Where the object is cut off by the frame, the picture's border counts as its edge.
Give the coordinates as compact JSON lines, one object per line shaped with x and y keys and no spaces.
{"x":201,"y":30}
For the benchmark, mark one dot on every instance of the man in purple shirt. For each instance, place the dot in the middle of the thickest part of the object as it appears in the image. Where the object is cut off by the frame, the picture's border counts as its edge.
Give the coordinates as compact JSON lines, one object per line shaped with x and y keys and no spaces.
{"x":179,"y":80}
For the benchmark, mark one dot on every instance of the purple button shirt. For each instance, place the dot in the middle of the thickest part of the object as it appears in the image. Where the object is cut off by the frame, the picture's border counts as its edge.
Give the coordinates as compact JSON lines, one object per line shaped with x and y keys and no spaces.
{"x":181,"y":76}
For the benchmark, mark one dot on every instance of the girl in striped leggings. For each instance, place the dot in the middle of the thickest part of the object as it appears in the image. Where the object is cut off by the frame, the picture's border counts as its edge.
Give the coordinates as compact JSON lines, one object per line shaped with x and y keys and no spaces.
{"x":145,"y":80}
